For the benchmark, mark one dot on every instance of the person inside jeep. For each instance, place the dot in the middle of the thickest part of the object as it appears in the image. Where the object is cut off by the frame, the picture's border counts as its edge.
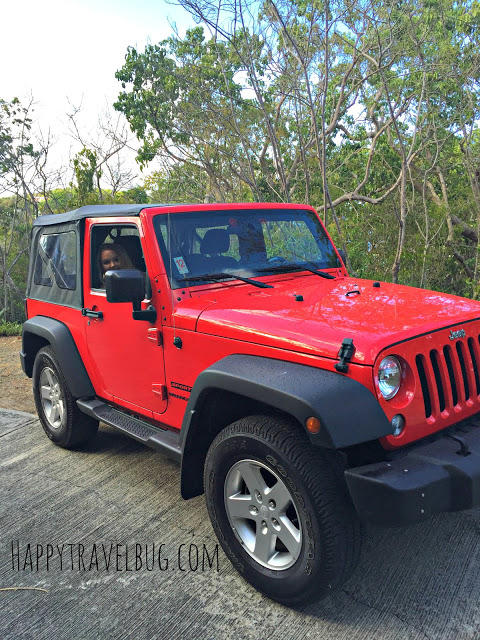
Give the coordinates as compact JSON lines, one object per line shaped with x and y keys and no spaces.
{"x":112,"y":256}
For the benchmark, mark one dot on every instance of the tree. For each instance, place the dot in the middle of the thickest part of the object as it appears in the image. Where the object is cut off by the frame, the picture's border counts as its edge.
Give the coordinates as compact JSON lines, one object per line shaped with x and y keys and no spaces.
{"x":23,"y":184}
{"x":101,"y":163}
{"x":367,"y":110}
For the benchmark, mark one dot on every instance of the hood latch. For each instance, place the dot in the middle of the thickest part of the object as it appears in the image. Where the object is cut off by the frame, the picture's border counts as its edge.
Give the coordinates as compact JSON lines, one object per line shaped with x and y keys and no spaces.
{"x":345,"y":354}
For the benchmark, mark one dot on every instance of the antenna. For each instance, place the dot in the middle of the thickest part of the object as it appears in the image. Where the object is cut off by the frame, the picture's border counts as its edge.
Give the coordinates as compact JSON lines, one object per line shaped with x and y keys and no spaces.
{"x":169,"y":233}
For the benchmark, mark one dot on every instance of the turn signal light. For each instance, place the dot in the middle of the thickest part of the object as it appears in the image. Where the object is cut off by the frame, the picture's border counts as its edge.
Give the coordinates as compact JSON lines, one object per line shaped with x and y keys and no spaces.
{"x":313,"y":424}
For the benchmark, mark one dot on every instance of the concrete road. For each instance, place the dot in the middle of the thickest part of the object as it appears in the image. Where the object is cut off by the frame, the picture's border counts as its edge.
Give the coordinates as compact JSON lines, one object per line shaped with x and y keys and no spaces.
{"x":80,"y":541}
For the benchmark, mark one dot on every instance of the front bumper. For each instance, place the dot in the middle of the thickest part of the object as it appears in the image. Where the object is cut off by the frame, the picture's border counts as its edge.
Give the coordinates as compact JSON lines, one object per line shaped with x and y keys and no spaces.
{"x":430,"y":477}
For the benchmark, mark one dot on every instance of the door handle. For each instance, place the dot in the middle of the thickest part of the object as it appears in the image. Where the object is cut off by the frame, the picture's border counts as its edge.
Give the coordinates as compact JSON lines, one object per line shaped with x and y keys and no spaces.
{"x":92,"y":314}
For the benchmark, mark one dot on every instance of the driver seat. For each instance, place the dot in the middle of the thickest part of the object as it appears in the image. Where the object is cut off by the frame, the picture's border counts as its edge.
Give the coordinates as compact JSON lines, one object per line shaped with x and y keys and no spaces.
{"x":214,"y":243}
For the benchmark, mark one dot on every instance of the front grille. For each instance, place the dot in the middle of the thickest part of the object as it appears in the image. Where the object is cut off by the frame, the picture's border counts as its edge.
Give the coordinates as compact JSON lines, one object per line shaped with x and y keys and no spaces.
{"x":449,"y":376}
{"x":471,"y":349}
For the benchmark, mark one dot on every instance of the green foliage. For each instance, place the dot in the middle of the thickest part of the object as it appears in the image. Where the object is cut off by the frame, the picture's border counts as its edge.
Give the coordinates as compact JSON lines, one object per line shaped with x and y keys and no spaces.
{"x":183,"y":100}
{"x":136,"y":195}
{"x":149,"y":105}
{"x":15,"y":145}
{"x":10,"y":328}
{"x":228,"y":115}
{"x":59,"y":200}
{"x":296,"y":95}
{"x":87,"y":175}
{"x":181,"y":183}
{"x":20,"y":175}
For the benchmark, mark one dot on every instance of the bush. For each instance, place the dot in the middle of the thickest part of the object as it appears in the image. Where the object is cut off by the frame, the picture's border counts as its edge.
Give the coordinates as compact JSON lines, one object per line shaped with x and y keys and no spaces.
{"x":10,"y":329}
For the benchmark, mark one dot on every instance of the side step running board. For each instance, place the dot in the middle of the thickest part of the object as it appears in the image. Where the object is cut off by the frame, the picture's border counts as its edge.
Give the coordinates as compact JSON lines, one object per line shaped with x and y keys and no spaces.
{"x":163,"y":440}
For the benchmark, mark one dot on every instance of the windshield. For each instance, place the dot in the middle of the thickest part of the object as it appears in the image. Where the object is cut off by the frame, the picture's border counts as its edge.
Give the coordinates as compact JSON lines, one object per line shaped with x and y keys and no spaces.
{"x":250,"y":242}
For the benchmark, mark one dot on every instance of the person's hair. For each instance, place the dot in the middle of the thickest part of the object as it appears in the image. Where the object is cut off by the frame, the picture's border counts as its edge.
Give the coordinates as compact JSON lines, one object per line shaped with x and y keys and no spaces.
{"x":125,"y":262}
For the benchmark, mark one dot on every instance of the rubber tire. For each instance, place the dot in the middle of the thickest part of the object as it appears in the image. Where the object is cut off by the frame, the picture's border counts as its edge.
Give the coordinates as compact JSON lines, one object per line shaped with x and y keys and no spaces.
{"x":331,"y":532}
{"x":78,"y":428}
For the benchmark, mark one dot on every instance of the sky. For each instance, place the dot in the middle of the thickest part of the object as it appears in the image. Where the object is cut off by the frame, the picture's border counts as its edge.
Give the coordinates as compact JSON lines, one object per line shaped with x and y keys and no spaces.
{"x":66,"y":52}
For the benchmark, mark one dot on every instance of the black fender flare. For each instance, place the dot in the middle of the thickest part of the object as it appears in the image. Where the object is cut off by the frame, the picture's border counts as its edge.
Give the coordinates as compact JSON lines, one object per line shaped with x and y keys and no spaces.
{"x":349,"y":413}
{"x":59,"y":337}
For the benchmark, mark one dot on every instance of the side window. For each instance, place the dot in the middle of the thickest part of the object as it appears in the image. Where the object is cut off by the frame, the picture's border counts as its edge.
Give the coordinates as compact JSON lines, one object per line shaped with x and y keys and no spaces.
{"x":57,"y":258}
{"x":41,"y":275}
{"x":116,"y":247}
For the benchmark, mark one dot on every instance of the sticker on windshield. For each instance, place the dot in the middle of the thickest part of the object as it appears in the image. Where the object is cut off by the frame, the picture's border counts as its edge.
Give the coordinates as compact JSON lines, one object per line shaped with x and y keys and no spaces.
{"x":181,"y":266}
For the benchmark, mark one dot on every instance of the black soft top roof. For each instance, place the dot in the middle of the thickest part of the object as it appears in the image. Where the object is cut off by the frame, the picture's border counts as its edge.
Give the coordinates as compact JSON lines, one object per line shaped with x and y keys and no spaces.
{"x":94,"y":211}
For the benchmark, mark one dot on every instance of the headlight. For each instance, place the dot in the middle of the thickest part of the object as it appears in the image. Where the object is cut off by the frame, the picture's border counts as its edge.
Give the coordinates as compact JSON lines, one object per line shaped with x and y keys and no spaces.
{"x":389,"y":377}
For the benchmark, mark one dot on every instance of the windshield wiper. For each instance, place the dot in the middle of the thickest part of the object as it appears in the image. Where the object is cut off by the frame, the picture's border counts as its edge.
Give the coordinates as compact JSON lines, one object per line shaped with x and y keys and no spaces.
{"x":223,"y":276}
{"x":292,"y":266}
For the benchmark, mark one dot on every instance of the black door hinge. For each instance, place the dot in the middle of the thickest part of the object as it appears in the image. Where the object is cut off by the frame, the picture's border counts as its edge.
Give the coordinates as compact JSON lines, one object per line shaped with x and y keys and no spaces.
{"x":345,"y":354}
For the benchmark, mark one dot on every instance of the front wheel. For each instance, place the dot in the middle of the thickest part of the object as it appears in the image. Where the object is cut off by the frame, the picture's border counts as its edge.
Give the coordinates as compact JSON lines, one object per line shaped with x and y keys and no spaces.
{"x":281,"y":510}
{"x":61,"y":419}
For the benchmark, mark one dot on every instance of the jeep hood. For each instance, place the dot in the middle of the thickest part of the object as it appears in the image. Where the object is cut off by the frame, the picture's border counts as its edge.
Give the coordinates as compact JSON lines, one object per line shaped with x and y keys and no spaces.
{"x":331,"y":310}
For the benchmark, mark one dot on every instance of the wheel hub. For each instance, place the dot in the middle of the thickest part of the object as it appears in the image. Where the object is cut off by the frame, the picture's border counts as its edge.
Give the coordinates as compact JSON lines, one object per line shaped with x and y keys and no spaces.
{"x":53,"y":403}
{"x":263,"y":514}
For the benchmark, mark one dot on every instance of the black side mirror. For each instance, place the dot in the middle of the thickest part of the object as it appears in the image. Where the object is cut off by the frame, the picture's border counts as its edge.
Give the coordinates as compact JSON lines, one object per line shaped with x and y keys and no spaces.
{"x":342,"y":255}
{"x":128,"y":285}
{"x":125,"y":285}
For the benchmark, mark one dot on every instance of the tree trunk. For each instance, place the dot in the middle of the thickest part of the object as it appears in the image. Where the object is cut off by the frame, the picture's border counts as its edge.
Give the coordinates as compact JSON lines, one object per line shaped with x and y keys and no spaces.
{"x":403,"y":219}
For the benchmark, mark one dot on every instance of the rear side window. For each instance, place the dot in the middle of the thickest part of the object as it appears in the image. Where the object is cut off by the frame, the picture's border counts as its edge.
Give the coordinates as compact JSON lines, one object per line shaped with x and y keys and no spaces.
{"x":56,"y":260}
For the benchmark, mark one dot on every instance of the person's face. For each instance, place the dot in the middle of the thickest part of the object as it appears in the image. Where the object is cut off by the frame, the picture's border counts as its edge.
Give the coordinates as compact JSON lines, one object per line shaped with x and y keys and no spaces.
{"x":110,"y":260}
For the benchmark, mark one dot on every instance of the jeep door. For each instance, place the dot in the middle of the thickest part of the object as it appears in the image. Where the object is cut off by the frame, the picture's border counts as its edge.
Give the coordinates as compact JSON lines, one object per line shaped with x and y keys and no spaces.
{"x":127,"y":354}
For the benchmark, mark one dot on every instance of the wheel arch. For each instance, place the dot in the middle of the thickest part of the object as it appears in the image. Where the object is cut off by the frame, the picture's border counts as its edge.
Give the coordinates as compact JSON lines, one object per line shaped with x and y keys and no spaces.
{"x":216,"y":409}
{"x":240,"y":385}
{"x":41,"y":331}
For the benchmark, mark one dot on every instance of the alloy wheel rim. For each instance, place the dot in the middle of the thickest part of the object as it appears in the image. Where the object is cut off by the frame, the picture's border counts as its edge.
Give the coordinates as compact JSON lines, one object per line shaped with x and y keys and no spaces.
{"x":53,"y":401}
{"x":263,"y":514}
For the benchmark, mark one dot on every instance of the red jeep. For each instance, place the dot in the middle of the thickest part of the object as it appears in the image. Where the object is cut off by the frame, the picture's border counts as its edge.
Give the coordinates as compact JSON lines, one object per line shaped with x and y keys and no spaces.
{"x":230,"y":337}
